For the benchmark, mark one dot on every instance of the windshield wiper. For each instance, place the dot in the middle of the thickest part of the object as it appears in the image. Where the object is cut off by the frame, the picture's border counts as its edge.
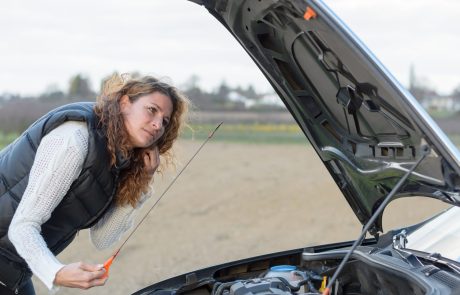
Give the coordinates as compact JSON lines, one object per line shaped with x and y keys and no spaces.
{"x":410,"y":256}
{"x":437,"y":258}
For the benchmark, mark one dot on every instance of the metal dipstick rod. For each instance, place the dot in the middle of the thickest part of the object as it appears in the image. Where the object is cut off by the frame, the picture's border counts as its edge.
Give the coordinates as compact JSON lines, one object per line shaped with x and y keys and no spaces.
{"x":109,"y":261}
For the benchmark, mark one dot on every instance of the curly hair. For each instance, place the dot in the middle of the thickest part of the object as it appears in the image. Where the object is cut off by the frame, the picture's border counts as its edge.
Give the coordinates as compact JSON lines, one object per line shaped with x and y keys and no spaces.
{"x":135,"y":180}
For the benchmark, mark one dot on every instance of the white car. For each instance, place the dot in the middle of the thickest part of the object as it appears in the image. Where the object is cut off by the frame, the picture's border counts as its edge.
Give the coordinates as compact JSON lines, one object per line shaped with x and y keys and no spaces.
{"x":373,"y":137}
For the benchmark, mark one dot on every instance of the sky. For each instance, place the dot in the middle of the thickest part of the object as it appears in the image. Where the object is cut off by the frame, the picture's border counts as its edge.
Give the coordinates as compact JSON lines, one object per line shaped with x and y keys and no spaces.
{"x":44,"y":43}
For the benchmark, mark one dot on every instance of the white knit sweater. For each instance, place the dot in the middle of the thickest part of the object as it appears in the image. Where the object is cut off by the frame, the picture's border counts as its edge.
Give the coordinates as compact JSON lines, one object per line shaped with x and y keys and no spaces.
{"x":58,"y":162}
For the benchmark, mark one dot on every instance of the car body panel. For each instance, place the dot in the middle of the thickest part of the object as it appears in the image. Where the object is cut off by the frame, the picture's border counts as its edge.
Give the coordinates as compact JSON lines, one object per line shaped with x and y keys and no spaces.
{"x":440,"y":235}
{"x":366,"y":128}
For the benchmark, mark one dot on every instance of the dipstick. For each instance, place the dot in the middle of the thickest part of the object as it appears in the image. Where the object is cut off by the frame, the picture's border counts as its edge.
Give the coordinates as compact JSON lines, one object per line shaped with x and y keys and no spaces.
{"x":109,"y":261}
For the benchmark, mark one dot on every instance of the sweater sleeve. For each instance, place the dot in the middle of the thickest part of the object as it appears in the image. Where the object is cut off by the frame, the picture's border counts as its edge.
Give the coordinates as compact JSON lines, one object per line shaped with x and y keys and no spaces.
{"x":58,"y":162}
{"x":116,"y":221}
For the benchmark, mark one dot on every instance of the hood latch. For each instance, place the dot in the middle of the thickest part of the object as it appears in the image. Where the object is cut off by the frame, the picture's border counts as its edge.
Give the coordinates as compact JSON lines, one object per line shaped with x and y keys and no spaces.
{"x":400,"y":240}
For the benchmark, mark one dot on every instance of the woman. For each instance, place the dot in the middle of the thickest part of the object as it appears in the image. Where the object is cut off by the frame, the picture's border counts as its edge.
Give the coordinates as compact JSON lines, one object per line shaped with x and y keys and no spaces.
{"x":82,"y":165}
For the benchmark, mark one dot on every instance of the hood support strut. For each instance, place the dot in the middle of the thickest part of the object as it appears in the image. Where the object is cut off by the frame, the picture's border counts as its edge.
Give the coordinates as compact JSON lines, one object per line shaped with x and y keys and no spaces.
{"x":425,"y":152}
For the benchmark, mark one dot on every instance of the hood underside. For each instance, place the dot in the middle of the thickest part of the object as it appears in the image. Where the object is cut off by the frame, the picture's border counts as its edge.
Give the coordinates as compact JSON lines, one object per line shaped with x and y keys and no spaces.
{"x":366,"y":128}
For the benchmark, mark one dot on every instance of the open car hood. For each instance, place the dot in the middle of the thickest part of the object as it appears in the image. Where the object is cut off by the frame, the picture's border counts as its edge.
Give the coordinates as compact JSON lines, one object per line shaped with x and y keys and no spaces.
{"x":366,"y":128}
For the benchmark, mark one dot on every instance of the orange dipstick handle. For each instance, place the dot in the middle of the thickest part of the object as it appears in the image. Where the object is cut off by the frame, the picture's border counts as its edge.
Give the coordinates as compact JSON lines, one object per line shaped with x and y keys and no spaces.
{"x":326,"y":291}
{"x":107,"y":266}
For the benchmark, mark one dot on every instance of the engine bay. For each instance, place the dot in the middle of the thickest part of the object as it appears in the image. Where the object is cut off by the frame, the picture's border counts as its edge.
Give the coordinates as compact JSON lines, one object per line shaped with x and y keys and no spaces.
{"x":370,"y":270}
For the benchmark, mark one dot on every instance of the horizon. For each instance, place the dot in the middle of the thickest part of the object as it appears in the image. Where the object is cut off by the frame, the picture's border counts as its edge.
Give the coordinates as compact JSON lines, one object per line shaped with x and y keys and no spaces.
{"x":52,"y":87}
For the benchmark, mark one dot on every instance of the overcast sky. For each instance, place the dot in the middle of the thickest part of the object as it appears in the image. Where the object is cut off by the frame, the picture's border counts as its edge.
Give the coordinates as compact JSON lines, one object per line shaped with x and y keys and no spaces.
{"x":43,"y":43}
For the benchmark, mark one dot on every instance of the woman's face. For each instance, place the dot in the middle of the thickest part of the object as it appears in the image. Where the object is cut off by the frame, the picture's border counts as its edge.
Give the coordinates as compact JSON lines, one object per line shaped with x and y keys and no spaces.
{"x":146,"y":118}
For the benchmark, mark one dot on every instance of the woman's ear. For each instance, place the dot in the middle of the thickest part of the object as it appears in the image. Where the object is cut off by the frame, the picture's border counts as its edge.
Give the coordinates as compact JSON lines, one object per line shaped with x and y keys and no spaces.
{"x":124,"y":103}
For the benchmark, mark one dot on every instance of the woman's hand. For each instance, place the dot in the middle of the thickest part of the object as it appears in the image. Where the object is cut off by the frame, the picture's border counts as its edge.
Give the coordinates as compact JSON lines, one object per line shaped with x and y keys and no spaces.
{"x":152,"y":160}
{"x":80,"y":275}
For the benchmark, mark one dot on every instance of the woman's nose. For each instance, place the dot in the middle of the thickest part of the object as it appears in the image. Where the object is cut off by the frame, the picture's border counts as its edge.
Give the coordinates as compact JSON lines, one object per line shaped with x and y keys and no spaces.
{"x":157,"y":122}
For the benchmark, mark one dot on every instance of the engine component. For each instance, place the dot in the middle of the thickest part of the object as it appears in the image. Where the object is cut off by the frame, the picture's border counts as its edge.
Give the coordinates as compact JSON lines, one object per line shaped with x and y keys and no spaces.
{"x":257,"y":286}
{"x":260,"y":287}
{"x":288,"y":272}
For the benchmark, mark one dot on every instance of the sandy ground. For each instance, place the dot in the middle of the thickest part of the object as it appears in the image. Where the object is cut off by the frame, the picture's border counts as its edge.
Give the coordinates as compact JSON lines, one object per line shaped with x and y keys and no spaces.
{"x":234,"y":201}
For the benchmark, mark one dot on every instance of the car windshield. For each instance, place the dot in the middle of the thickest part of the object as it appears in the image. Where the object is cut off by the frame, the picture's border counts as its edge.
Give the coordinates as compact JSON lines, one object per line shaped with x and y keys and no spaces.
{"x":439,"y":235}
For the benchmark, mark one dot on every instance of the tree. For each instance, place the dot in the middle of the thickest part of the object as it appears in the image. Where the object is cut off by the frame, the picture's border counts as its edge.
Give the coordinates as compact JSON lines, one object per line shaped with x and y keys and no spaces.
{"x":192,"y":82}
{"x":80,"y":87}
{"x":52,"y":94}
{"x":251,"y":92}
{"x":420,"y":87}
{"x":222,"y":92}
{"x":456,"y":93}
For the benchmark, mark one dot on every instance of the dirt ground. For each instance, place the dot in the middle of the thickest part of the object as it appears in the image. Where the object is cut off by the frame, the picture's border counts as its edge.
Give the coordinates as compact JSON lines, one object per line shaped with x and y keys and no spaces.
{"x":233,"y":201}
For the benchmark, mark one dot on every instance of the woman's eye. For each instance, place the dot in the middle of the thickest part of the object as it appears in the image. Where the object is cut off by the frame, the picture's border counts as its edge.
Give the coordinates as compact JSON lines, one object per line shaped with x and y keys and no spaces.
{"x":152,"y":110}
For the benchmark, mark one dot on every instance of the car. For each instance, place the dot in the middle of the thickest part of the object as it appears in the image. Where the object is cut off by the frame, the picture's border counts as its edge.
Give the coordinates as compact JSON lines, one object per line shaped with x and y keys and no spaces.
{"x":375,"y":140}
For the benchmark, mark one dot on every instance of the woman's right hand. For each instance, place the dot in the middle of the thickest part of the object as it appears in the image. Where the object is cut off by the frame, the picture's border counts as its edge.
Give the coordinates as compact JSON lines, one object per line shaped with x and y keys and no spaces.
{"x":151,"y":160}
{"x":81,"y":275}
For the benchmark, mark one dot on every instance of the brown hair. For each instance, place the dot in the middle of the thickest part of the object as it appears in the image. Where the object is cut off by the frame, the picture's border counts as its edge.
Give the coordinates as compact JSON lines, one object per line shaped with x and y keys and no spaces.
{"x":135,"y":180}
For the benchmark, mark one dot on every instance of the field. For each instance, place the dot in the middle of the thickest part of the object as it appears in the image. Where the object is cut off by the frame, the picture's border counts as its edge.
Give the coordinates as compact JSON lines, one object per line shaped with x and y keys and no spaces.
{"x":235,"y":200}
{"x":6,"y":138}
{"x":255,"y":188}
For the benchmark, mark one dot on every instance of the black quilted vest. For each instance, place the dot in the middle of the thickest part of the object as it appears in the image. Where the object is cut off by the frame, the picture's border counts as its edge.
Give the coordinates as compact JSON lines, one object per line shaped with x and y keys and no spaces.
{"x":89,"y":195}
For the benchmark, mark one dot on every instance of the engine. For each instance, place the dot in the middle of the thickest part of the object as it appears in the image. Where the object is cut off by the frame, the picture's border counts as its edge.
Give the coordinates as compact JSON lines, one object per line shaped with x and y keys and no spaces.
{"x":280,"y":280}
{"x":259,"y":286}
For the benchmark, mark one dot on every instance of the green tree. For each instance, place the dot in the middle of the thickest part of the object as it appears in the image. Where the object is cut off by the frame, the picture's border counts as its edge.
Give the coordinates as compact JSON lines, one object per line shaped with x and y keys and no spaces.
{"x":456,"y":93}
{"x":80,"y":87}
{"x":52,"y":94}
{"x":221,"y":96}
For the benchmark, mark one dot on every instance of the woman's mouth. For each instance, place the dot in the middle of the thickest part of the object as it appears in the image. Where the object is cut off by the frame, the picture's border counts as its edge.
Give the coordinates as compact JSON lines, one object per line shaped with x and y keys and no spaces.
{"x":152,"y":134}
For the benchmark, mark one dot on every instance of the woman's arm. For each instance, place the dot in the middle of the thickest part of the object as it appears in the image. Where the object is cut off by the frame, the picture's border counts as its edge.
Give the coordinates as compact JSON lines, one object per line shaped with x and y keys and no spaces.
{"x":118,"y":219}
{"x":58,"y":162}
